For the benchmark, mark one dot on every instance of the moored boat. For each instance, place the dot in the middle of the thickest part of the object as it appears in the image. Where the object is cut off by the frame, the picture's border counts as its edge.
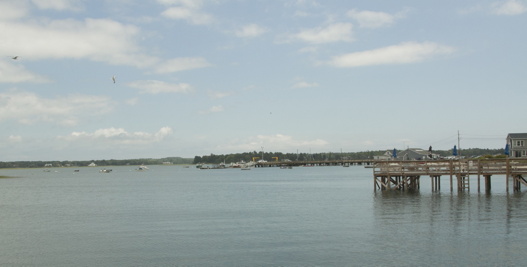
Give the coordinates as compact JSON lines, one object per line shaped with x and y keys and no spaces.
{"x":142,"y":168}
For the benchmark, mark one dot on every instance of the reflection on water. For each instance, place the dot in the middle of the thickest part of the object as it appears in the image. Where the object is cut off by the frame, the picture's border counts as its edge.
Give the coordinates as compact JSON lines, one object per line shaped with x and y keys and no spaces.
{"x":452,"y":228}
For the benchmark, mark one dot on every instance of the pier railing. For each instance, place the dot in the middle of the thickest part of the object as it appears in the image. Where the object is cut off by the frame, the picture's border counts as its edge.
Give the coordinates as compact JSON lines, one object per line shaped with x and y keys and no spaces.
{"x":447,"y":167}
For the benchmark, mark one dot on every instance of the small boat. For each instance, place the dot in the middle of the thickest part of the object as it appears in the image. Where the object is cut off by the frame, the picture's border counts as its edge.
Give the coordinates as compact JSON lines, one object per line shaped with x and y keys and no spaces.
{"x":245,"y":166}
{"x":105,"y":170}
{"x":142,"y":168}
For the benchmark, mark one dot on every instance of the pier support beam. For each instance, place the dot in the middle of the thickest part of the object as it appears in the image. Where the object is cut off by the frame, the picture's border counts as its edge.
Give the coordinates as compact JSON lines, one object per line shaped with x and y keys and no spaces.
{"x":517,"y":186}
{"x":463,"y":182}
{"x":396,"y":182}
{"x":518,"y":180}
{"x":436,"y":182}
{"x":487,"y":183}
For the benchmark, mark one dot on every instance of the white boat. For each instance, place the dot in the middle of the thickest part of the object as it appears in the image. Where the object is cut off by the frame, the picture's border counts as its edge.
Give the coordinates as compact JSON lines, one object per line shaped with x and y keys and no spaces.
{"x":142,"y":168}
{"x":105,"y":170}
{"x":245,"y":167}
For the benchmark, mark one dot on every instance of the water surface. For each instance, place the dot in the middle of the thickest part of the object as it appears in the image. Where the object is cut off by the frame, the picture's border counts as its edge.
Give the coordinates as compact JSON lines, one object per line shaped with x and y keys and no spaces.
{"x":306,"y":216}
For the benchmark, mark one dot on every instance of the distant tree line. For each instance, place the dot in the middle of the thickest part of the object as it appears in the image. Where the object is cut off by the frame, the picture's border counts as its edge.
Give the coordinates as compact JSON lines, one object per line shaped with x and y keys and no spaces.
{"x":278,"y":156}
{"x":474,"y":153}
{"x":104,"y":162}
{"x":245,"y":157}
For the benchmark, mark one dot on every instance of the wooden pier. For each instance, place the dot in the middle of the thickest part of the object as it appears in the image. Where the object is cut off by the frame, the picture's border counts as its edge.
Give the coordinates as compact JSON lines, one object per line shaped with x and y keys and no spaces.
{"x":405,"y":175}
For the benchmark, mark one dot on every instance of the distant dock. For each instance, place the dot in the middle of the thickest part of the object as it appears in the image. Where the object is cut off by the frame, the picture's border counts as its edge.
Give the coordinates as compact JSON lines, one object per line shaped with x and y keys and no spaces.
{"x":297,"y":163}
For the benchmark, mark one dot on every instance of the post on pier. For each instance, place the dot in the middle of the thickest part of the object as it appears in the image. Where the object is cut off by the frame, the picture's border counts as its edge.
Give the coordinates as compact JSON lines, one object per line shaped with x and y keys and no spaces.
{"x":478,"y":182}
{"x":487,"y":183}
{"x":436,"y":182}
{"x":451,"y":167}
{"x":507,"y":174}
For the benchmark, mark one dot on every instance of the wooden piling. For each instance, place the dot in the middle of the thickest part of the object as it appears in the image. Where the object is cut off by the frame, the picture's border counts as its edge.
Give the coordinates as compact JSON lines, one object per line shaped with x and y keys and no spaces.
{"x":487,"y":183}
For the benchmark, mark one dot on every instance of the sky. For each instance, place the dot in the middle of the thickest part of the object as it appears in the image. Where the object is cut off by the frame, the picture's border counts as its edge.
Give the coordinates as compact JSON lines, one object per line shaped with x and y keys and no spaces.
{"x":201,"y":77}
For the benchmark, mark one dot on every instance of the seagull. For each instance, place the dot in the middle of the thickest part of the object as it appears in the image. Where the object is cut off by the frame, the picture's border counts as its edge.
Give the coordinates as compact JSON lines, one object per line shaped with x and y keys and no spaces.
{"x":15,"y":57}
{"x":113,"y":79}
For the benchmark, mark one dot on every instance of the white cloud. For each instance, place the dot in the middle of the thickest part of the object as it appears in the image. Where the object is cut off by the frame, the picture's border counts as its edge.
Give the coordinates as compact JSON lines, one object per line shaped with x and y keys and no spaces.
{"x":60,"y":39}
{"x":179,"y":13}
{"x":187,"y":10}
{"x":156,"y":87}
{"x":58,"y":4}
{"x":397,"y":54}
{"x":337,"y":32}
{"x":509,"y":8}
{"x":118,"y":136}
{"x":251,"y":30}
{"x":29,"y":108}
{"x":304,"y":85}
{"x":14,"y":73}
{"x":302,"y":3}
{"x":194,"y":4}
{"x":372,"y":19}
{"x":181,"y":64}
{"x":13,"y":10}
{"x":100,"y":40}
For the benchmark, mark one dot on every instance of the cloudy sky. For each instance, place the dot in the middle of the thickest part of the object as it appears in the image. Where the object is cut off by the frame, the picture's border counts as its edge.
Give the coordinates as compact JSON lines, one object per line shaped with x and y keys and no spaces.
{"x":195,"y":77}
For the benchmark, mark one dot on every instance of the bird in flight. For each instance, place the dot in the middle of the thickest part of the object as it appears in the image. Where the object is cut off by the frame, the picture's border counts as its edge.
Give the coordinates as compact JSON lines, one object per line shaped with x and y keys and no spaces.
{"x":113,"y":79}
{"x":15,"y":57}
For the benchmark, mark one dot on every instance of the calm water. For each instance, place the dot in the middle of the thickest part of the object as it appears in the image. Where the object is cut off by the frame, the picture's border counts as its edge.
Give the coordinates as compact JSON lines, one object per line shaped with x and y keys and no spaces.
{"x":307,"y":216}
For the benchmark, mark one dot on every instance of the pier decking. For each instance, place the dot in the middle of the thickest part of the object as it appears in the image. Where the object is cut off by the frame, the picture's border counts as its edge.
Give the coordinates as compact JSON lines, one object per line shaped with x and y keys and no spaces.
{"x":405,"y":175}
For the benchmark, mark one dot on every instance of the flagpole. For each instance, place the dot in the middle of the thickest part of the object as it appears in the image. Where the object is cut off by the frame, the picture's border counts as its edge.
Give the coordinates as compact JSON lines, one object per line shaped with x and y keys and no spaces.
{"x":458,"y":147}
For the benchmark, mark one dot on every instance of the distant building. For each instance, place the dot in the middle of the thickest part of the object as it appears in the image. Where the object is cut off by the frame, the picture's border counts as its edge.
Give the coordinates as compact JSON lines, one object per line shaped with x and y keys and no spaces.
{"x":92,"y":164}
{"x":386,"y":156}
{"x":416,"y":154}
{"x":517,"y":145}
